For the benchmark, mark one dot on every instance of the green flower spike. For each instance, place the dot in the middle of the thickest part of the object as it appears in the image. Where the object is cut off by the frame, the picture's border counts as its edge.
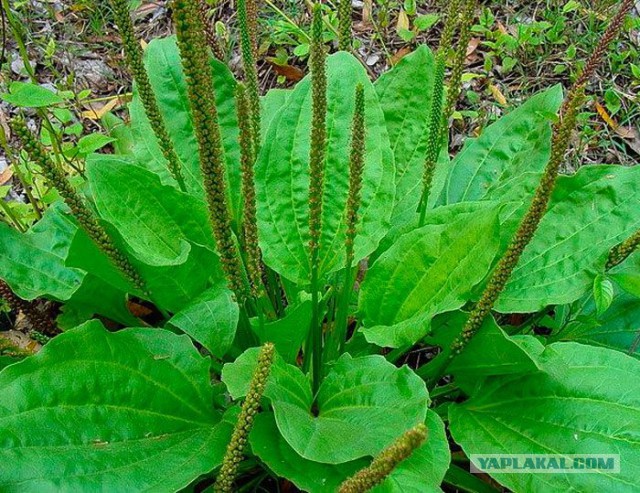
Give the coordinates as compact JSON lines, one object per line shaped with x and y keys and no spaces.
{"x":249,"y":221}
{"x":317,"y":61}
{"x":58,"y":179}
{"x":620,"y":253}
{"x":133,"y":53}
{"x":344,"y":25}
{"x":248,"y":19}
{"x":195,"y":62}
{"x":250,"y":407}
{"x":454,"y":86}
{"x":386,"y":462}
{"x":560,"y":143}
{"x":435,"y":112}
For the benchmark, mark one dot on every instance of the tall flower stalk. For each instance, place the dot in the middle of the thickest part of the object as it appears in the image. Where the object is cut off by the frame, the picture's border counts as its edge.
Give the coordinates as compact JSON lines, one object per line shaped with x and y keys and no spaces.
{"x":384,"y":464}
{"x":249,"y":220}
{"x":250,"y":407}
{"x":437,"y":101}
{"x":344,"y":25}
{"x":212,"y":39}
{"x":317,"y":155}
{"x":248,"y":22}
{"x":526,"y":230}
{"x":195,"y":62}
{"x":356,"y":168}
{"x":57,"y":178}
{"x":133,"y":53}
{"x":457,"y":67}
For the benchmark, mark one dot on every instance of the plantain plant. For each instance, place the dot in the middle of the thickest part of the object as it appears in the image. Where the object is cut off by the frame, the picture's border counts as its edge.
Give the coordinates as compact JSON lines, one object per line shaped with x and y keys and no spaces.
{"x":330,"y":300}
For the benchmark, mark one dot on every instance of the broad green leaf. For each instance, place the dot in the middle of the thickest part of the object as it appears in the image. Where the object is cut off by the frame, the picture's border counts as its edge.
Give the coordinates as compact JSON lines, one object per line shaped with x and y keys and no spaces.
{"x":589,"y":213}
{"x":29,"y":95}
{"x":617,"y":328}
{"x":93,"y":142}
{"x":120,"y":131}
{"x":422,"y":472}
{"x":602,"y":293}
{"x":431,"y":270}
{"x":162,"y":59}
{"x":108,"y":409}
{"x":211,"y":319}
{"x":627,"y":274}
{"x":361,"y":406}
{"x":508,"y":157}
{"x":270,"y":104}
{"x":405,"y":94}
{"x":157,"y":221}
{"x":33,"y":263}
{"x":587,"y":401}
{"x":492,"y":352}
{"x":313,"y":477}
{"x":287,"y":333}
{"x":282,"y":176}
{"x":95,"y":297}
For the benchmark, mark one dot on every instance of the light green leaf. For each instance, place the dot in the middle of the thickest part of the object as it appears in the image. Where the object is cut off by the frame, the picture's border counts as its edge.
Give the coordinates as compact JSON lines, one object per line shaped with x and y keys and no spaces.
{"x":270,"y":104}
{"x":211,"y":319}
{"x":282,"y":176}
{"x":93,"y":142}
{"x":362,"y":405}
{"x":586,"y":402}
{"x":29,"y":95}
{"x":405,"y":94}
{"x":33,"y":263}
{"x":589,"y":213}
{"x":162,"y":59}
{"x":428,"y":271}
{"x":313,"y":477}
{"x":492,"y":352}
{"x":157,"y":221}
{"x":506,"y":161}
{"x":602,"y":293}
{"x":422,"y":472}
{"x":109,"y":409}
{"x":287,"y":333}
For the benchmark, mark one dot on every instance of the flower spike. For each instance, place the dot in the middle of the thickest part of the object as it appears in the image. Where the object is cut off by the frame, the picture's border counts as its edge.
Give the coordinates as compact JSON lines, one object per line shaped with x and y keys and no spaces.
{"x":133,"y":54}
{"x":195,"y":62}
{"x":249,"y":220}
{"x":87,"y":219}
{"x":384,"y":464}
{"x":250,"y":407}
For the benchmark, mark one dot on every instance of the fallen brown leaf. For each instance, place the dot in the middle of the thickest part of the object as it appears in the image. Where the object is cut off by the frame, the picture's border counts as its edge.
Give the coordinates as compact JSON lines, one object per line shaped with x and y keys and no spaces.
{"x":399,"y":55}
{"x":290,"y":72}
